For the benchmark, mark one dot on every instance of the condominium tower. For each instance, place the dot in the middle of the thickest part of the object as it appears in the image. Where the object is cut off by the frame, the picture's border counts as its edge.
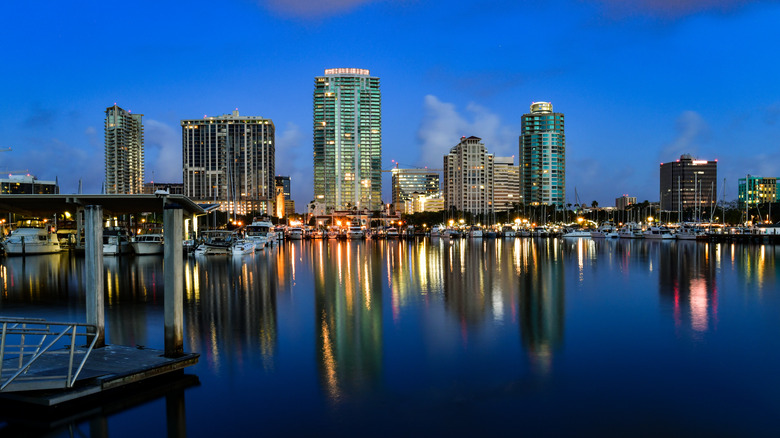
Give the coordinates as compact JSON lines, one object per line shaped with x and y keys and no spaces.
{"x":124,"y":151}
{"x":543,"y":156}
{"x":756,"y":190}
{"x":229,"y":160}
{"x":347,"y":140}
{"x":468,"y":177}
{"x":688,"y":183}
{"x":506,"y":184}
{"x":410,"y":182}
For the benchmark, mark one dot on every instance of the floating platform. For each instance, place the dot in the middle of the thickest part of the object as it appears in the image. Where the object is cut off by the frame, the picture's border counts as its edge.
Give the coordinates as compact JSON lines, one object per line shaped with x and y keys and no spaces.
{"x":106,"y":369}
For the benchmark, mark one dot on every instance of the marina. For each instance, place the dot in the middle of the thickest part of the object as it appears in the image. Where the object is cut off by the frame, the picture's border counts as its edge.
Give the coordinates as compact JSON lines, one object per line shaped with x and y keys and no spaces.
{"x":391,"y":337}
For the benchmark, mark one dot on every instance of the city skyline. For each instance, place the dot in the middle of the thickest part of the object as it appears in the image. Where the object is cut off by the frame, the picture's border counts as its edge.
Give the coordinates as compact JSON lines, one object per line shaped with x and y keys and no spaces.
{"x":640,"y":84}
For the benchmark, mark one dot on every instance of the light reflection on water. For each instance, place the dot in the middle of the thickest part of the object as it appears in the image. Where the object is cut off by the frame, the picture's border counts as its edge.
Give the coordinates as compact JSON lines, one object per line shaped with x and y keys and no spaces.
{"x":358,"y":326}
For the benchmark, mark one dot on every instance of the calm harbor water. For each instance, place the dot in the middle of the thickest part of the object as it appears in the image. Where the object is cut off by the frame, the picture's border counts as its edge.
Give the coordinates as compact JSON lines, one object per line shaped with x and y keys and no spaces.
{"x":525,"y":337}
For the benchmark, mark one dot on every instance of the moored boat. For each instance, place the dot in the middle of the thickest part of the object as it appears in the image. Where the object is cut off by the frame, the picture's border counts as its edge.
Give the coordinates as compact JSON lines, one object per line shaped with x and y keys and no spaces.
{"x":215,"y":242}
{"x":31,"y":240}
{"x":116,"y":241}
{"x":151,"y":243}
{"x":661,"y":233}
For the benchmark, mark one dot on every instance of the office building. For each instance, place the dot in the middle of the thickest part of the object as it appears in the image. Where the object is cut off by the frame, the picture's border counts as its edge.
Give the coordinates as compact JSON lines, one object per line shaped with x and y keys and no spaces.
{"x":506,"y":184}
{"x":468,"y":178}
{"x":624,"y":201}
{"x":172,"y":188}
{"x":124,"y":151}
{"x":688,"y":183}
{"x":757,"y":190}
{"x":408,"y":182}
{"x":543,"y":156}
{"x":347,"y":140}
{"x":27,"y":185}
{"x":229,"y":160}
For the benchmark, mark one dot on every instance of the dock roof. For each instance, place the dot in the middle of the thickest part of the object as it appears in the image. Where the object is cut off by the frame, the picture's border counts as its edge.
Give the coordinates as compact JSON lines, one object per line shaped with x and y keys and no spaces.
{"x":34,"y":205}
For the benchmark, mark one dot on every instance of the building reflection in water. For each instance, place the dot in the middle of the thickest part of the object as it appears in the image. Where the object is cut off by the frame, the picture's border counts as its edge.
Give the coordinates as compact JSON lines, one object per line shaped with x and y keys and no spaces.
{"x":348,"y":311}
{"x":688,"y":282}
{"x":230,"y":309}
{"x":55,"y":279}
{"x":542,"y":300}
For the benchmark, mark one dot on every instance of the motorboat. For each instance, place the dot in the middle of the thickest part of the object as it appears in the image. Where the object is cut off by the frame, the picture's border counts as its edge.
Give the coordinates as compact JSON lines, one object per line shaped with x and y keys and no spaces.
{"x":261,"y":233}
{"x":576,"y":233}
{"x":662,"y":233}
{"x":150,"y":243}
{"x":508,"y":231}
{"x":435,"y":231}
{"x":687,"y":232}
{"x":606,"y":230}
{"x":475,"y":233}
{"x":243,"y":247}
{"x":116,"y":241}
{"x":392,"y":233}
{"x":31,"y":240}
{"x":630,"y":231}
{"x":215,"y":242}
{"x":294,"y":233}
{"x":354,"y":233}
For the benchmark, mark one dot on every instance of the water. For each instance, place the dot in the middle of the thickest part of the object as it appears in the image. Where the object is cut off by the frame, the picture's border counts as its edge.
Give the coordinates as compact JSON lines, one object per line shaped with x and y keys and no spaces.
{"x":524,"y":337}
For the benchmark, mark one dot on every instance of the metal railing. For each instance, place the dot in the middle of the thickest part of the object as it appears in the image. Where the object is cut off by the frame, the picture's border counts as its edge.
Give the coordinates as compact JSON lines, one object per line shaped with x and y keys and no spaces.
{"x":37,"y":354}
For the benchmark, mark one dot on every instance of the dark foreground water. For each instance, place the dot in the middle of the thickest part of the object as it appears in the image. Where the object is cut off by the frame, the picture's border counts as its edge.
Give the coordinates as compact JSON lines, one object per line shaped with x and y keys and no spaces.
{"x":523,"y":337}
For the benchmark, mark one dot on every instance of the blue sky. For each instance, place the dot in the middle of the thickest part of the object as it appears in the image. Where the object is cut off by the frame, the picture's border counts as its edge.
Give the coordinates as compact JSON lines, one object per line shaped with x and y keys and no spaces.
{"x":640,"y":82}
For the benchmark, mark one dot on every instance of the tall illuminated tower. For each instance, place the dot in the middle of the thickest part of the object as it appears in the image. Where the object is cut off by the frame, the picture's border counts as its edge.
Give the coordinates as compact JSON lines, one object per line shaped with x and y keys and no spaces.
{"x":124,"y":151}
{"x":347,"y":140}
{"x":543,"y":156}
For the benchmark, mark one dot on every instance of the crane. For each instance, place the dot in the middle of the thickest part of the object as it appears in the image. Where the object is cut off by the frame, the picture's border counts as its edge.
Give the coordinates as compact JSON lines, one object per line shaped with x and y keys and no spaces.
{"x":412,"y":168}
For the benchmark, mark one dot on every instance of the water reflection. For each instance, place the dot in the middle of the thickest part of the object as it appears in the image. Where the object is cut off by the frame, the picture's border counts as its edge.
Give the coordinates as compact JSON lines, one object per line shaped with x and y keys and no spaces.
{"x":348,"y":312}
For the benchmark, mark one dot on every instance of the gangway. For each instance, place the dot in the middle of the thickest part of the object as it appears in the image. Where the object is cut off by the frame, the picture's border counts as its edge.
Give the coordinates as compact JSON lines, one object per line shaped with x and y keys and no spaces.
{"x":36,"y":354}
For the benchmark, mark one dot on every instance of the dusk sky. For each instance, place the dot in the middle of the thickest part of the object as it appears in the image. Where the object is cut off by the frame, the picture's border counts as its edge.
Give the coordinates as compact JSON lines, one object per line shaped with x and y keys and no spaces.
{"x":640,"y":82}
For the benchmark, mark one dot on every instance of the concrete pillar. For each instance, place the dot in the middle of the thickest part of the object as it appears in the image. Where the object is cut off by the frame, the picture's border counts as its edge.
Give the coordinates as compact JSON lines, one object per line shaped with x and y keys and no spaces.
{"x":93,"y":251}
{"x":174,"y":281}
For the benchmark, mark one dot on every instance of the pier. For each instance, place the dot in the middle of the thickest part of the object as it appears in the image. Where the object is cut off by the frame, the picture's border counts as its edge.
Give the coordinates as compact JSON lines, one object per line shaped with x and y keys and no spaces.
{"x":49,"y":363}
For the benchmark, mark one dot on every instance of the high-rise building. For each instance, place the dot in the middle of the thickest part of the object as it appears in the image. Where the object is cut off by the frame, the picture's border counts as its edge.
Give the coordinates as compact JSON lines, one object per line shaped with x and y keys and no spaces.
{"x":688,"y":183}
{"x":347,"y":140}
{"x":506,"y":184}
{"x":284,"y":182}
{"x":27,"y":185}
{"x":408,"y":182}
{"x":230,"y":160}
{"x":543,"y":156}
{"x":757,"y":190}
{"x":624,"y":201}
{"x":468,"y":177}
{"x":124,"y":151}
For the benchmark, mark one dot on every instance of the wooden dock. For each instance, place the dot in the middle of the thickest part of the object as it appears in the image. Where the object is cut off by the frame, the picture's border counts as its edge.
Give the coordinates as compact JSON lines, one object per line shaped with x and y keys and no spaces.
{"x":106,"y":369}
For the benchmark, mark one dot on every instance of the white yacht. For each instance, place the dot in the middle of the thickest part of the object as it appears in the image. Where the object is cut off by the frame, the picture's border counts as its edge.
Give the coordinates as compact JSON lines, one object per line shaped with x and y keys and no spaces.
{"x":261,"y":233}
{"x":392,"y":233}
{"x":151,"y":243}
{"x":576,"y":233}
{"x":658,"y":233}
{"x":116,"y":241}
{"x":242,"y":247}
{"x":508,"y":231}
{"x":28,"y":240}
{"x":688,"y":232}
{"x":606,"y":230}
{"x":355,"y":233}
{"x":630,"y":231}
{"x":295,"y":233}
{"x":215,"y":242}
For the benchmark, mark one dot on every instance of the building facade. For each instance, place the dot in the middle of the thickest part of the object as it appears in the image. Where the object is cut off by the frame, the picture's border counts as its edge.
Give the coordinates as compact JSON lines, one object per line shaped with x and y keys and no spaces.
{"x":27,"y":185}
{"x":506,"y":184}
{"x":408,"y":182}
{"x":347,"y":140}
{"x":230,"y":160}
{"x":688,"y":183}
{"x":172,"y":188}
{"x":468,"y":178}
{"x":543,"y":156}
{"x":624,"y":201}
{"x":124,"y":151}
{"x":755,"y":190}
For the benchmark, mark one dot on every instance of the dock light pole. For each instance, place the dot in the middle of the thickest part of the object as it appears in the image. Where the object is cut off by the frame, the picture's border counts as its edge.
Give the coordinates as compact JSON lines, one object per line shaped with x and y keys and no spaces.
{"x":174,"y":283}
{"x":93,"y":251}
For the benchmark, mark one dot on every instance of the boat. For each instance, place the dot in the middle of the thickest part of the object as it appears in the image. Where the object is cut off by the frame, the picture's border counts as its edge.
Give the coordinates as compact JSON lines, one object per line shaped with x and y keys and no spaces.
{"x":392,"y":233}
{"x":215,"y":242}
{"x":662,"y":233}
{"x":605,"y":230}
{"x":294,"y":233}
{"x":576,"y":233}
{"x":242,"y":247}
{"x":116,"y":241}
{"x":540,"y":232}
{"x":435,"y":231}
{"x":32,"y":240}
{"x":354,"y":233}
{"x":508,"y":231}
{"x":475,"y":232}
{"x":630,"y":231}
{"x":150,"y":243}
{"x":688,"y":232}
{"x":333,"y":232}
{"x":261,"y":233}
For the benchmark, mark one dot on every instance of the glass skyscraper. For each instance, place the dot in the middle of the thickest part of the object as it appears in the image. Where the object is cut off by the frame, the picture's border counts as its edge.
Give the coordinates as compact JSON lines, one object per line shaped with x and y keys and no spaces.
{"x":347,"y":140}
{"x":543,"y":156}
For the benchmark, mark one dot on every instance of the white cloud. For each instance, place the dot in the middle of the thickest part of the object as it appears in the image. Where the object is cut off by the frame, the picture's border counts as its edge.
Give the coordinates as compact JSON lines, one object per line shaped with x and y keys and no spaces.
{"x":162,"y":144}
{"x":692,"y":129}
{"x":443,"y":126}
